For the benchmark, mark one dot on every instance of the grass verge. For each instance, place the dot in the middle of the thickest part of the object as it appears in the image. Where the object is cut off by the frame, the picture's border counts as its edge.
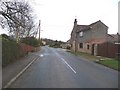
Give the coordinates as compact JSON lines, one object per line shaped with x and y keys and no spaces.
{"x":109,"y":62}
{"x":84,"y":55}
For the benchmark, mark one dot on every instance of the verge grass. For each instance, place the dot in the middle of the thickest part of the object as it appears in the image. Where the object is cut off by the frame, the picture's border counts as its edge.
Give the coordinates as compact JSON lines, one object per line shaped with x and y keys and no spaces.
{"x":109,"y":62}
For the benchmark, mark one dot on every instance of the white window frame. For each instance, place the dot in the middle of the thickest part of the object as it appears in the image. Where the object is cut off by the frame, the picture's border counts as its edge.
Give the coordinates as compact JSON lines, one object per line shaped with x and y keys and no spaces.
{"x":81,"y":34}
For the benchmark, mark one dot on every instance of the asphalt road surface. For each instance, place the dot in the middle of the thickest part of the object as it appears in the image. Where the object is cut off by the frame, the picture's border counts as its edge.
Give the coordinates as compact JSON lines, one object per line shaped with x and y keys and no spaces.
{"x":56,"y":68}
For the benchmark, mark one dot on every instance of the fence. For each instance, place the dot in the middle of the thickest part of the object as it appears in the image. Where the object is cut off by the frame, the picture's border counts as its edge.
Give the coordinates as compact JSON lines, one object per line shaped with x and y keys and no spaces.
{"x":108,"y":49}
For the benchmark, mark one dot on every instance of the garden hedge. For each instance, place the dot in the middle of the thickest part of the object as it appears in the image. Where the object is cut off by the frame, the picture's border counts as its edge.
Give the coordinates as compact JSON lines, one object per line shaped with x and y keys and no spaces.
{"x":10,"y":51}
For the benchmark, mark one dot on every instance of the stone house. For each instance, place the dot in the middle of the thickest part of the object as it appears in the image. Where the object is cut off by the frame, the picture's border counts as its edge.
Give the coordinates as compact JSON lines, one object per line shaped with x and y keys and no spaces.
{"x":85,"y":38}
{"x":66,"y":45}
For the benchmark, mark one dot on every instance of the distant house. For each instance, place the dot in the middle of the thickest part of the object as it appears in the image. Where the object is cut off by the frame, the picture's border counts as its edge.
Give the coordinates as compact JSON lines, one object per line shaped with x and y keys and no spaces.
{"x":114,"y":38}
{"x":66,"y":45}
{"x":86,"y":38}
{"x":43,"y":42}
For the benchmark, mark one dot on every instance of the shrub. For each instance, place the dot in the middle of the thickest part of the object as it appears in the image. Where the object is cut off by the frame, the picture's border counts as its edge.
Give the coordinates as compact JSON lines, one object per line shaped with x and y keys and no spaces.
{"x":5,"y":36}
{"x":30,"y":41}
{"x":26,"y":48}
{"x":10,"y":51}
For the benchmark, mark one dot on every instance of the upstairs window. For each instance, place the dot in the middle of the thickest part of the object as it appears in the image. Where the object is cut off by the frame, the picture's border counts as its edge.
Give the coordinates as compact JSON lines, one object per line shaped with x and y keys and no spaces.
{"x":81,"y":34}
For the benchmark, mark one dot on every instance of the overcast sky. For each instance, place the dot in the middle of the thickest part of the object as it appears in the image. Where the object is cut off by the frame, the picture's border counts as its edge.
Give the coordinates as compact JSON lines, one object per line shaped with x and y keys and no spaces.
{"x":57,"y":16}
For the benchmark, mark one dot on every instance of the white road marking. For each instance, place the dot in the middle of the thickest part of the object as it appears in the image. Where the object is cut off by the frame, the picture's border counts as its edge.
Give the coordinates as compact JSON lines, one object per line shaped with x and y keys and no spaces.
{"x":20,"y":73}
{"x":68,"y":65}
{"x":41,"y":55}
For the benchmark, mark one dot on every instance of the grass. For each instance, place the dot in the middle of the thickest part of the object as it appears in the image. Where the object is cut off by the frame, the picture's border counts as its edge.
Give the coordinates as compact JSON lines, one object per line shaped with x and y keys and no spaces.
{"x":109,"y":62}
{"x":84,"y":55}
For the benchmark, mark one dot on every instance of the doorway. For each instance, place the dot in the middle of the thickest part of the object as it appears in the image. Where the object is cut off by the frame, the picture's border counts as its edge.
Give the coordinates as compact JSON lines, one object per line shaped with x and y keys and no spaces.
{"x":93,"y":45}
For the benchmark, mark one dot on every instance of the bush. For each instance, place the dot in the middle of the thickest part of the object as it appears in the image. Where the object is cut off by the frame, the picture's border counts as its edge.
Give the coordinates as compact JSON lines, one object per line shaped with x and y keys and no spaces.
{"x":7,"y":37}
{"x":10,"y":51}
{"x":26,"y":48}
{"x":30,"y":41}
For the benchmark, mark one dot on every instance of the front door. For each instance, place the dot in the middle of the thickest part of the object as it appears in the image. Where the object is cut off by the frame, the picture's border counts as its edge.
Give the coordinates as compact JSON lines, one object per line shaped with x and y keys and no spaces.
{"x":93,"y":45}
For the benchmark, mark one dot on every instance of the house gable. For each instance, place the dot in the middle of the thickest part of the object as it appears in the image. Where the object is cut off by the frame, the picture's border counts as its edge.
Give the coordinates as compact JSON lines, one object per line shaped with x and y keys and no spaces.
{"x":88,"y":27}
{"x":97,"y":23}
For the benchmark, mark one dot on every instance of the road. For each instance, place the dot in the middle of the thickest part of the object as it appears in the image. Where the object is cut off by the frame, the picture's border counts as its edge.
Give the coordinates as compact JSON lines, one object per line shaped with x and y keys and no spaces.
{"x":56,"y":68}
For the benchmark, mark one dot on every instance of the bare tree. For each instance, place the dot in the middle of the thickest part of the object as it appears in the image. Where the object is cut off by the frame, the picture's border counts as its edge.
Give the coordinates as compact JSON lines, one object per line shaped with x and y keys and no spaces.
{"x":18,"y":17}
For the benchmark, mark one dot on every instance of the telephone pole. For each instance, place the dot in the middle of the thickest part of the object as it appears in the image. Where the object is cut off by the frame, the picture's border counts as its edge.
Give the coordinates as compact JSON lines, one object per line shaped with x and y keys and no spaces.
{"x":39,"y":29}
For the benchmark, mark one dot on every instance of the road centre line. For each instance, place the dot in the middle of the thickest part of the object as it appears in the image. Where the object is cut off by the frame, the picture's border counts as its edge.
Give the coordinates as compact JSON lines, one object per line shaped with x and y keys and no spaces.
{"x":66,"y":63}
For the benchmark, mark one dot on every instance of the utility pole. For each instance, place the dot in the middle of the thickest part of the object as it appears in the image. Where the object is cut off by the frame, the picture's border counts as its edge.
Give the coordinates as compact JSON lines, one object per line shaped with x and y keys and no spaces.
{"x":39,"y":29}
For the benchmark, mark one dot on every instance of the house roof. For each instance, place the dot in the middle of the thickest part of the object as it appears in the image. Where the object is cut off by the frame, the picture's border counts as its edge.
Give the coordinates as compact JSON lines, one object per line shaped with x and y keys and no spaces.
{"x":87,"y":27}
{"x":110,"y":35}
{"x":115,"y":36}
{"x":68,"y":41}
{"x":82,"y":27}
{"x":94,"y":23}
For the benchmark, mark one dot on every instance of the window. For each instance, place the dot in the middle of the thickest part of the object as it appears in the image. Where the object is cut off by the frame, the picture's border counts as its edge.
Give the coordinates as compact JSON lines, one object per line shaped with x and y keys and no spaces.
{"x":88,"y":46}
{"x":80,"y":34}
{"x":81,"y":45}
